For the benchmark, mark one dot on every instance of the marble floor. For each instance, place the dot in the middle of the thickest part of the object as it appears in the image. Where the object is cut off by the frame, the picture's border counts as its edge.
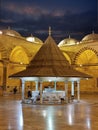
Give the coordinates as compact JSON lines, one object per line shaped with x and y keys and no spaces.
{"x":81,"y":115}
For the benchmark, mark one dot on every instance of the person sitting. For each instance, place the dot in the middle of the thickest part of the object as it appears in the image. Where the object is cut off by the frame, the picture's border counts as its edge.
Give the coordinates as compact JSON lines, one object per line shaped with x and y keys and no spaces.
{"x":38,"y":97}
{"x":62,"y":99}
{"x":15,"y":90}
{"x":29,"y":93}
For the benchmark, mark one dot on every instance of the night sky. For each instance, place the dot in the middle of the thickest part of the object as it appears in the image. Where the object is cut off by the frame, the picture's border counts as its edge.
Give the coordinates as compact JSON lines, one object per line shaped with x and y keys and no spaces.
{"x":76,"y":18}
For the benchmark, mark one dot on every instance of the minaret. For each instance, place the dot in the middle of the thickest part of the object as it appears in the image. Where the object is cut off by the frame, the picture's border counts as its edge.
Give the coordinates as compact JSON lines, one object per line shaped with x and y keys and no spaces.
{"x":31,"y":35}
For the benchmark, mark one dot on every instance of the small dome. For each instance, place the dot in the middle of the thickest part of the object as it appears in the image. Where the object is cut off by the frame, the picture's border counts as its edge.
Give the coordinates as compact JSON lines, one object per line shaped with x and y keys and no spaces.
{"x":34,"y":39}
{"x":90,"y":37}
{"x":67,"y":42}
{"x":11,"y":32}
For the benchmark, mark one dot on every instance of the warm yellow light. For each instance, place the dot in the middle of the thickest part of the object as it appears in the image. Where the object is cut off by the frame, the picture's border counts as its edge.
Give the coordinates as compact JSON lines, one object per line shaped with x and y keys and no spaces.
{"x":80,"y":65}
{"x":1,"y":32}
{"x":77,"y":43}
{"x":30,"y":39}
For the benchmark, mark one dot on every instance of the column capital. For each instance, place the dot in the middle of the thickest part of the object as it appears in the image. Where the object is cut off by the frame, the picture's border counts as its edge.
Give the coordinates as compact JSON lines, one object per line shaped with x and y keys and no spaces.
{"x":78,"y":81}
{"x":23,"y":80}
{"x":72,"y":81}
{"x":66,"y":82}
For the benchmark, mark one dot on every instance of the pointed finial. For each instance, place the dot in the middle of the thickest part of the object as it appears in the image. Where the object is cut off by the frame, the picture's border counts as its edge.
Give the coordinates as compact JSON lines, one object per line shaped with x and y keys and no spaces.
{"x":69,"y":36}
{"x":31,"y":35}
{"x":93,"y":32}
{"x":9,"y":28}
{"x":49,"y":31}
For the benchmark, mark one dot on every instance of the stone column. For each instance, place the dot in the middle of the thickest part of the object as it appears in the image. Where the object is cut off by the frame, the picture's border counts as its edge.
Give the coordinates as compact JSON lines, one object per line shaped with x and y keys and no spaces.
{"x":41,"y":99}
{"x":72,"y":88}
{"x":23,"y":90}
{"x":66,"y":92}
{"x":36,"y":85}
{"x":78,"y":91}
{"x":55,"y":85}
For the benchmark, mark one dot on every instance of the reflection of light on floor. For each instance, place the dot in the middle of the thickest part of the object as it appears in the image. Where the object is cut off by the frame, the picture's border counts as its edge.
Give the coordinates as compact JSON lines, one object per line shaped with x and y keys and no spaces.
{"x":50,"y":123}
{"x":20,"y":117}
{"x":70,"y":115}
{"x":70,"y":119}
{"x":49,"y":118}
{"x":44,"y":113}
{"x":59,"y":113}
{"x":88,"y":123}
{"x":9,"y":126}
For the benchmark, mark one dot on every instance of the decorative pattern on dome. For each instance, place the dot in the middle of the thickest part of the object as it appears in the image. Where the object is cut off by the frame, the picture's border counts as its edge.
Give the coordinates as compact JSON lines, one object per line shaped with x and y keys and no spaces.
{"x":68,"y":41}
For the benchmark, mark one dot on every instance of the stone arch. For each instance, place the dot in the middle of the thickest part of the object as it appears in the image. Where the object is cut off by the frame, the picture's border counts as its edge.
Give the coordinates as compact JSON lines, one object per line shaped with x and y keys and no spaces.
{"x":67,"y":57}
{"x":87,"y":61}
{"x":19,"y":55}
{"x":4,"y":53}
{"x":88,"y":54}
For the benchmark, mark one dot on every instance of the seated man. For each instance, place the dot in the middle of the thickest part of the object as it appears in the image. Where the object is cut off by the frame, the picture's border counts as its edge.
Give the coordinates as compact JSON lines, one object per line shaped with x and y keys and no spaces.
{"x":29,"y":93}
{"x":62,"y":100}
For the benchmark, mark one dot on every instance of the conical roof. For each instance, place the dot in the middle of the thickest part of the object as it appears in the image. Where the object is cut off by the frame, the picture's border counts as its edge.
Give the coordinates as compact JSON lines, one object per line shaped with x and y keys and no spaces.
{"x":49,"y":62}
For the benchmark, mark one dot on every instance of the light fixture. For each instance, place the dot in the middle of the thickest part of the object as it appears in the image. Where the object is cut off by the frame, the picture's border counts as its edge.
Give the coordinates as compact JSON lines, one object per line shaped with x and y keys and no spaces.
{"x":1,"y":32}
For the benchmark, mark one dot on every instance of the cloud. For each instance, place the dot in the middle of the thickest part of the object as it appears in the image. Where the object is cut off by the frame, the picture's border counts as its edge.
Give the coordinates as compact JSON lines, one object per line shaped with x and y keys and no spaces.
{"x":6,"y":21}
{"x":37,"y":9}
{"x":35,"y":17}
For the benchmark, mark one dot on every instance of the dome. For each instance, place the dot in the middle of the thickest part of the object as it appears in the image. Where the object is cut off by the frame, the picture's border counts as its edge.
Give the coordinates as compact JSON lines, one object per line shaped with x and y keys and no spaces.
{"x":34,"y":39}
{"x":11,"y":32}
{"x":68,"y":41}
{"x":90,"y":37}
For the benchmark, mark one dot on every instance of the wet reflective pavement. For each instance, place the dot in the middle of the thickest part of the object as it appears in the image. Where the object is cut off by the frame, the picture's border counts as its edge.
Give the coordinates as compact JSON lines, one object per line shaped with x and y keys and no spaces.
{"x":81,"y":115}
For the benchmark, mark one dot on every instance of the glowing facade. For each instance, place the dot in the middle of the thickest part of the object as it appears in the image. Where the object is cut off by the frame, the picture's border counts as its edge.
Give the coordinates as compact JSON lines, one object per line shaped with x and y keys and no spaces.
{"x":17,"y":51}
